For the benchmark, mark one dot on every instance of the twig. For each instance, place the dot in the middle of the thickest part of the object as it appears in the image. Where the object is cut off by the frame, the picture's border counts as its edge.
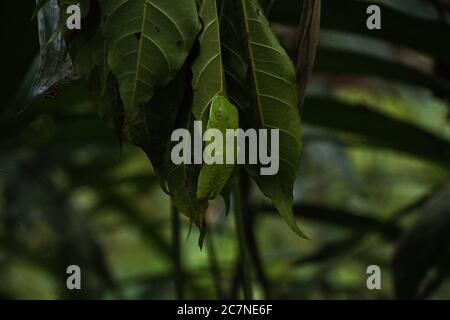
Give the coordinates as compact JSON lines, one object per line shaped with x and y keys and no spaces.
{"x":214,"y":265}
{"x":240,"y":228}
{"x":176,"y":252}
{"x":251,"y":239}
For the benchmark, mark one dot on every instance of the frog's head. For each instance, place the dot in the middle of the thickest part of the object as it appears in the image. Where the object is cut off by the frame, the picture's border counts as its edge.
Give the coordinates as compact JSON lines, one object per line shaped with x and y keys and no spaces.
{"x":220,"y":109}
{"x":217,"y":108}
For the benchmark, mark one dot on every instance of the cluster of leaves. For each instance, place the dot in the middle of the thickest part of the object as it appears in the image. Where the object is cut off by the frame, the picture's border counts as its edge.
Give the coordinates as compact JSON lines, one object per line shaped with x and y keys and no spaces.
{"x":152,"y":66}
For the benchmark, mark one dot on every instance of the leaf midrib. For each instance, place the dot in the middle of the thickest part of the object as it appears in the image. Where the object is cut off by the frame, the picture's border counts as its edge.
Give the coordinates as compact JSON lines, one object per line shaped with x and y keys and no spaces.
{"x":139,"y":57}
{"x":251,"y":58}
{"x":218,"y":55}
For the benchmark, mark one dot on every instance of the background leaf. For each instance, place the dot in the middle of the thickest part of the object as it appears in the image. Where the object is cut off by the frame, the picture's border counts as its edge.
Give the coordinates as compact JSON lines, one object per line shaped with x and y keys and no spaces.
{"x":375,"y":128}
{"x":424,"y":247}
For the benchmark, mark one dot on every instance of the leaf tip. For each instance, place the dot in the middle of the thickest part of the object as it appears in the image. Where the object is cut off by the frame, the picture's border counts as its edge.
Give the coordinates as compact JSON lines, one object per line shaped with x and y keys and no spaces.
{"x":298,"y":231}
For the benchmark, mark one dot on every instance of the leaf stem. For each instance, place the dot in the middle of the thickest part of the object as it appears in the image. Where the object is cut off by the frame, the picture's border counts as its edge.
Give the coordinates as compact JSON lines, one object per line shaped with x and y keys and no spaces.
{"x":252,"y":243}
{"x":214,"y":265}
{"x":239,"y":217}
{"x":176,"y":253}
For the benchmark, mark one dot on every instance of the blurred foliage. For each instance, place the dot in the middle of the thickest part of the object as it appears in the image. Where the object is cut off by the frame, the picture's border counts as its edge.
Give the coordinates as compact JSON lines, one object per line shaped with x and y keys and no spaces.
{"x":373,"y":186}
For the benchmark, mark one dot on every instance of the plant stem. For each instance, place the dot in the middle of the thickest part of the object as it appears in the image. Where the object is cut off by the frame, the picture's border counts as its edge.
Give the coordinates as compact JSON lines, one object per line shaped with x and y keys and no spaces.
{"x":252,"y":244}
{"x":214,"y":265}
{"x":240,"y":216}
{"x":176,"y":252}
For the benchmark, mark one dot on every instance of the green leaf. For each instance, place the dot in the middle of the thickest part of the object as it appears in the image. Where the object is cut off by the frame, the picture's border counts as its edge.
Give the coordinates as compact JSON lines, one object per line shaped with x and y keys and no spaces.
{"x":307,"y":42}
{"x":227,"y":190}
{"x":149,"y":41}
{"x":90,"y":62}
{"x":208,"y":76}
{"x":182,"y":181}
{"x":89,"y":51}
{"x":272,"y":77}
{"x":157,"y":120}
{"x":182,"y":185}
{"x":234,"y":58}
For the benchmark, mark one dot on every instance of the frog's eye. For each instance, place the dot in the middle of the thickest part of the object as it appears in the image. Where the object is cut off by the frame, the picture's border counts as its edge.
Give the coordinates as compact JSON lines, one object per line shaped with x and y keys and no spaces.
{"x":219,"y":113}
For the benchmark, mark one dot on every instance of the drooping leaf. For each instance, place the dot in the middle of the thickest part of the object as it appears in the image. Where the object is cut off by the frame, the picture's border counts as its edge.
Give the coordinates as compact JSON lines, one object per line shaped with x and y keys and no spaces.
{"x":149,"y":41}
{"x":307,"y":42}
{"x":182,"y":185}
{"x":234,"y":57}
{"x":89,"y":51}
{"x":90,"y":62}
{"x":182,"y":179}
{"x":157,"y":120}
{"x":208,"y":76}
{"x":226,"y":194}
{"x":271,"y":75}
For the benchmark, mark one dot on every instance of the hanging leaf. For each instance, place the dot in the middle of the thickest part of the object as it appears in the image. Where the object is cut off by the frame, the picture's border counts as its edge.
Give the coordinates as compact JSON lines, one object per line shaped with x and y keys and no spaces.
{"x":90,"y":62}
{"x":274,"y":102}
{"x":149,"y":41}
{"x":158,"y":119}
{"x":182,"y":185}
{"x":307,"y":42}
{"x":208,"y":75}
{"x":89,"y":50}
{"x":234,"y":57}
{"x":182,"y":180}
